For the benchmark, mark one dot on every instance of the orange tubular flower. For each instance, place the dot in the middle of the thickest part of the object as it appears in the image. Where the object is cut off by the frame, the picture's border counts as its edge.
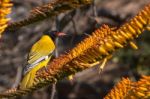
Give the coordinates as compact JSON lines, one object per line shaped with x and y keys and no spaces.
{"x":120,"y":90}
{"x":126,"y":89}
{"x":5,"y":9}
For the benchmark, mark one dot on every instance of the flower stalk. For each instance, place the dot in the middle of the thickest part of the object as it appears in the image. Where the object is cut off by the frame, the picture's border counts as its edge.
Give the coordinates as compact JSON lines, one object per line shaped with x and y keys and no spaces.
{"x":47,"y":11}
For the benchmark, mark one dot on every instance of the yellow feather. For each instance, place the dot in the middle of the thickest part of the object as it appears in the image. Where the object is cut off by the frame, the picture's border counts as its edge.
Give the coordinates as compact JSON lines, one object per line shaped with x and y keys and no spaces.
{"x":28,"y":79}
{"x":41,"y":48}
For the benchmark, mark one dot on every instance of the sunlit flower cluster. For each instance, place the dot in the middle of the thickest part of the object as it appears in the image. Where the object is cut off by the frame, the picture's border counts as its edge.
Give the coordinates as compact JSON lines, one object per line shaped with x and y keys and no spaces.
{"x":127,"y":89}
{"x":5,"y":9}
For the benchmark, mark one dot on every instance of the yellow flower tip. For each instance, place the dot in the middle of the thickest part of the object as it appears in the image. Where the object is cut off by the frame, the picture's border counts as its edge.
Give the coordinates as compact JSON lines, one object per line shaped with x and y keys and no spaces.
{"x":143,"y":89}
{"x":7,"y":4}
{"x":146,"y":77}
{"x":137,"y":23}
{"x":70,"y":77}
{"x":130,"y":35}
{"x":3,"y":27}
{"x":144,"y":13}
{"x":116,"y":38}
{"x":131,"y":29}
{"x":124,"y":34}
{"x":140,"y":94}
{"x":109,"y":46}
{"x":103,"y":51}
{"x":148,"y":28}
{"x":142,"y":20}
{"x":3,"y":21}
{"x":133,"y":45}
{"x":139,"y":31}
{"x":117,"y":44}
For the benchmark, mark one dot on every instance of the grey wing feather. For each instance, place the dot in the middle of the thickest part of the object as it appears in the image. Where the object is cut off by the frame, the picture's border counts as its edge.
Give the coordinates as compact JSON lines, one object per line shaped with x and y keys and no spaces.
{"x":28,"y":67}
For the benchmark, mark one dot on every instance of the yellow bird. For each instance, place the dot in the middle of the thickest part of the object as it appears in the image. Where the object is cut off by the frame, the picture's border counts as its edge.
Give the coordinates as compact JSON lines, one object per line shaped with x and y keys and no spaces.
{"x":38,"y":57}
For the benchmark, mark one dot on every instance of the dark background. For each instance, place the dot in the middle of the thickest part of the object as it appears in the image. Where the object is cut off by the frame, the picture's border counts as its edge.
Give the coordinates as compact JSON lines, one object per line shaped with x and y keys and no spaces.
{"x":88,"y":84}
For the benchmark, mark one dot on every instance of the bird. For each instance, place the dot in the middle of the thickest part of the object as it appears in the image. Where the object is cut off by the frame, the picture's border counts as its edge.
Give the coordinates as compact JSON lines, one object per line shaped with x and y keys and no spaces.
{"x":38,"y":57}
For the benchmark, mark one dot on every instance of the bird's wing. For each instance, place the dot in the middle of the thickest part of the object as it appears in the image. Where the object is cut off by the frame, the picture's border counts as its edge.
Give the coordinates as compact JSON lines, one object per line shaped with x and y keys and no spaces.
{"x":39,"y":52}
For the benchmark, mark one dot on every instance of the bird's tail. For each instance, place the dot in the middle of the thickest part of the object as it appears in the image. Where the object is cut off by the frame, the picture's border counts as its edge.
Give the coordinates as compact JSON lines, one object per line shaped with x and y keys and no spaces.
{"x":28,"y":80}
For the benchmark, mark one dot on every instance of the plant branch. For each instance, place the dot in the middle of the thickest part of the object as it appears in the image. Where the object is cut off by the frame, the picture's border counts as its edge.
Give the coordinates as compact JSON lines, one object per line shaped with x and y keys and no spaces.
{"x":49,"y":10}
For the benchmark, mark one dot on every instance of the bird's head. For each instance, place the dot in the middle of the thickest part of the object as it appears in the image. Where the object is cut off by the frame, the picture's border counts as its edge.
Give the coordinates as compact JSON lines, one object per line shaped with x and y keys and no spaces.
{"x":54,"y":34}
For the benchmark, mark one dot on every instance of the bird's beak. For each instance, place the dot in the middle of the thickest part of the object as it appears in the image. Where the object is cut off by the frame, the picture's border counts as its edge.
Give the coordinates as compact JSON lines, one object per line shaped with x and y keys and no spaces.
{"x":61,"y":34}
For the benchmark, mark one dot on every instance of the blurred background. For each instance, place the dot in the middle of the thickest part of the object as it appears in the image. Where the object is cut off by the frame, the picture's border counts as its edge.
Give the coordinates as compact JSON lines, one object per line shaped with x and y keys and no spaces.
{"x":88,"y":84}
